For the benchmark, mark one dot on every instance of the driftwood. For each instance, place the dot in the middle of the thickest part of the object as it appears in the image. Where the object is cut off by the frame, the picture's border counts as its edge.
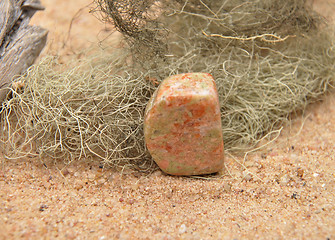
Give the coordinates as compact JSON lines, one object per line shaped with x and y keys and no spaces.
{"x":20,"y":44}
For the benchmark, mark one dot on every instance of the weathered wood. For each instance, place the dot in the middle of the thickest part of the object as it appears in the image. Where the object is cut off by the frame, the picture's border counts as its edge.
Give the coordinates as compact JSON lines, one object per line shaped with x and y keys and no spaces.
{"x":20,"y":44}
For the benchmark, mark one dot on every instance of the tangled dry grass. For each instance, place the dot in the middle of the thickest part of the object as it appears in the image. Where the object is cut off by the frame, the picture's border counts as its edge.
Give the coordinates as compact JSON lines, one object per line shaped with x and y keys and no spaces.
{"x":92,"y":109}
{"x":269,"y":58}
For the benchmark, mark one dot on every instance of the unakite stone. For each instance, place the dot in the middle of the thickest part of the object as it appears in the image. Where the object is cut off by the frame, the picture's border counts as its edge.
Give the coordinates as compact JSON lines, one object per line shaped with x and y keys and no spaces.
{"x":182,"y":125}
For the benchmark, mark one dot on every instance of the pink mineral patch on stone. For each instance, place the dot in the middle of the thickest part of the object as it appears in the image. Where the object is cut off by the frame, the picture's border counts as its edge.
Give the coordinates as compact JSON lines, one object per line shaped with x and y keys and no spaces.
{"x":182,"y":125}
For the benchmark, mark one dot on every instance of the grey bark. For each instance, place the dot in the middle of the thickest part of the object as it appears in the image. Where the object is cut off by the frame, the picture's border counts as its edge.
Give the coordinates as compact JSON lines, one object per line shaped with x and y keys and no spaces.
{"x":20,"y":43}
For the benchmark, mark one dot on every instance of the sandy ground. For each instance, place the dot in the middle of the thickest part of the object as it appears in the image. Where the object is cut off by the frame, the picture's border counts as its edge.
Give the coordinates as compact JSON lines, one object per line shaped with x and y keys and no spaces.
{"x":285,"y":191}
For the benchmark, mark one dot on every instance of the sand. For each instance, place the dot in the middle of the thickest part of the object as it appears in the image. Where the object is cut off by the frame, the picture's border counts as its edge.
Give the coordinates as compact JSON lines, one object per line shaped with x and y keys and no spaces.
{"x":283,"y":191}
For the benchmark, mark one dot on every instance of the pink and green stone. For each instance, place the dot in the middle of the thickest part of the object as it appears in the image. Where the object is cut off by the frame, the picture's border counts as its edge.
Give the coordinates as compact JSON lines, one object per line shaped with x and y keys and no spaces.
{"x":182,"y":125}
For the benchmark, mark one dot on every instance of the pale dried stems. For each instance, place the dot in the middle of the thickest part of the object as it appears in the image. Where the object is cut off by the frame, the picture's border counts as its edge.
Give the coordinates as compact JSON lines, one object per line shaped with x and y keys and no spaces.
{"x":74,"y":113}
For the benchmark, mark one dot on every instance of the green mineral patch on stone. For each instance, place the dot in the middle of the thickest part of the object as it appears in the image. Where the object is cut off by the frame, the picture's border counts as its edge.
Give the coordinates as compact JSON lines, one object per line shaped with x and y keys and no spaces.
{"x":177,"y":168}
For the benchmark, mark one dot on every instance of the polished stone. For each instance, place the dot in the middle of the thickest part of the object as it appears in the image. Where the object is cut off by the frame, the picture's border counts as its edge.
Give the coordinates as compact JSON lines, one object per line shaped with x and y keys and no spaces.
{"x":182,"y":125}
